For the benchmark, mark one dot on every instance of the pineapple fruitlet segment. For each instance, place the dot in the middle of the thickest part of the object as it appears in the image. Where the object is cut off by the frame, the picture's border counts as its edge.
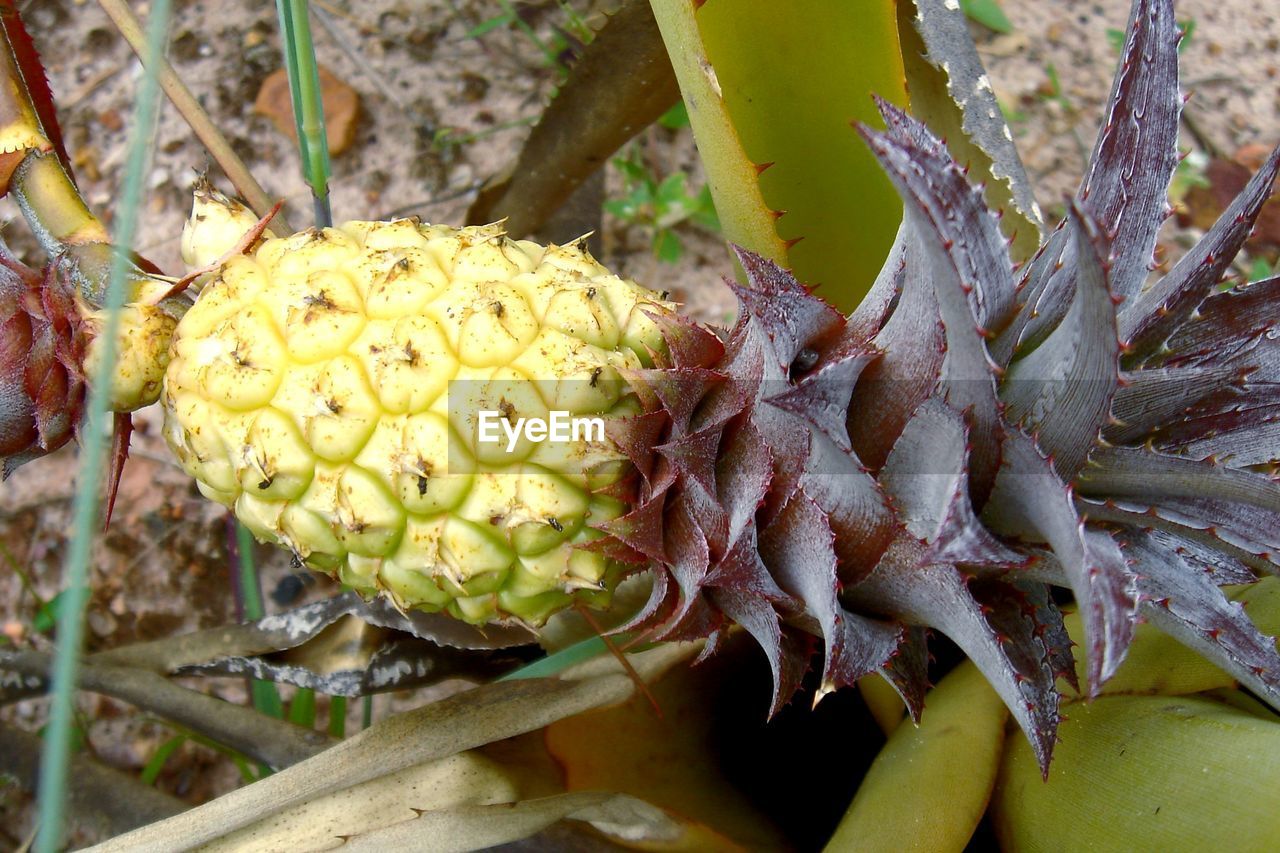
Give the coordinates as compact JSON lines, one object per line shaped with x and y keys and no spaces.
{"x":327,"y":386}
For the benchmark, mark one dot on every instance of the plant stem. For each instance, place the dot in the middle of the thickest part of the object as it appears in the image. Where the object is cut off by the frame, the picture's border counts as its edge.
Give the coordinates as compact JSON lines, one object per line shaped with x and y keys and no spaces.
{"x":338,"y":717}
{"x":248,"y":588}
{"x":308,"y":106}
{"x":57,"y":749}
{"x":272,"y":742}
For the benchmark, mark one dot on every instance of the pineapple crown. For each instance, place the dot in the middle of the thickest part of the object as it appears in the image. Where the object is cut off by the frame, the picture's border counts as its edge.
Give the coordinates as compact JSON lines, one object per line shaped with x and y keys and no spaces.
{"x":42,"y":347}
{"x":975,"y":434}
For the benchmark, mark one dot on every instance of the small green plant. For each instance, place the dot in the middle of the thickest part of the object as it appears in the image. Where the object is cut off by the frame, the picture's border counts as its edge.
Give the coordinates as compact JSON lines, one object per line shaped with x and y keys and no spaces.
{"x":446,"y":138}
{"x":555,"y":50}
{"x":988,"y":13}
{"x":676,"y":117}
{"x":1189,"y":174}
{"x":1260,"y":268}
{"x":1012,"y":114}
{"x":1053,"y":92}
{"x":660,"y":204}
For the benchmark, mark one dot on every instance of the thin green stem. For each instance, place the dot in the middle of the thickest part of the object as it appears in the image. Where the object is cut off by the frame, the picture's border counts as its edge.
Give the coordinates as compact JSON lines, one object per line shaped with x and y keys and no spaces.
{"x":308,"y":104}
{"x":250,"y":588}
{"x":338,"y":716}
{"x":554,"y":664}
{"x":265,"y":695}
{"x":57,"y":748}
{"x":302,"y":708}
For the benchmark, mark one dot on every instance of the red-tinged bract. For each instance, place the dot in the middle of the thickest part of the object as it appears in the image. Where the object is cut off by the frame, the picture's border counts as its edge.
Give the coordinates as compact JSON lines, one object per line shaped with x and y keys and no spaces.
{"x":42,"y":347}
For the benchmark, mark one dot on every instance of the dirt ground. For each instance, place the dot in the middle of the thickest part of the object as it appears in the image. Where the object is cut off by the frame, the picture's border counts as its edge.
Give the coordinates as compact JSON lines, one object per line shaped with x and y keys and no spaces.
{"x":442,"y":110}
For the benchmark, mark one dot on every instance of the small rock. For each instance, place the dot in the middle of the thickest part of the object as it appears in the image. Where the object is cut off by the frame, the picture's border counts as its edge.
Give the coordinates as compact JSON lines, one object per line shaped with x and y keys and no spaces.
{"x":102,"y":624}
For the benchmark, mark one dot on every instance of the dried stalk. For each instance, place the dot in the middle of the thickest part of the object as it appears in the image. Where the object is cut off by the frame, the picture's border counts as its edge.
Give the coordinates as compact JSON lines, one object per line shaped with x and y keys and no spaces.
{"x":272,"y":742}
{"x":112,"y":801}
{"x":195,"y":116}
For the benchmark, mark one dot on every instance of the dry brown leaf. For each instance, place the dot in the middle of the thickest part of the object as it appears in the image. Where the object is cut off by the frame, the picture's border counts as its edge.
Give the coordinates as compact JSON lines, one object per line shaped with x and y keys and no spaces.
{"x":341,"y":108}
{"x":621,"y":84}
{"x":1226,"y":178}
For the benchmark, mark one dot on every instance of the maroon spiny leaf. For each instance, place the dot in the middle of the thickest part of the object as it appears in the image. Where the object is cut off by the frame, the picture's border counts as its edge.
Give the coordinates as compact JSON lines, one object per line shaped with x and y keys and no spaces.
{"x":968,"y":373}
{"x":1029,"y":500}
{"x":798,"y":550}
{"x":1061,"y":392}
{"x":1184,"y":601}
{"x":1125,"y":190}
{"x":912,"y":343}
{"x":1007,"y":650}
{"x":34,"y":78}
{"x":1150,"y":398}
{"x":979,"y":247}
{"x":788,"y":314}
{"x":1149,"y":320}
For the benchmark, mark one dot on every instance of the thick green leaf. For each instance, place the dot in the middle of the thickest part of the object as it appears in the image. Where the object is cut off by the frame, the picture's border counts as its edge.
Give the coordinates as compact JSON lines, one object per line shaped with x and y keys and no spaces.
{"x":1146,"y":773}
{"x":988,"y":13}
{"x":771,"y":90}
{"x":929,"y":786}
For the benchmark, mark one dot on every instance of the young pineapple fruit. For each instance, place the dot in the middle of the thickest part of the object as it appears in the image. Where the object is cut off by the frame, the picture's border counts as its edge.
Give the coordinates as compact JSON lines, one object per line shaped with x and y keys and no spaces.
{"x":971,"y":436}
{"x":329,"y":386}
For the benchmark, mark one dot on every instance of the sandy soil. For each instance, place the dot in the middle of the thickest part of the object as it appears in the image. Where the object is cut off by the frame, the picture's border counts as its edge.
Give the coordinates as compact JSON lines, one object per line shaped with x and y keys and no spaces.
{"x":441,"y":112}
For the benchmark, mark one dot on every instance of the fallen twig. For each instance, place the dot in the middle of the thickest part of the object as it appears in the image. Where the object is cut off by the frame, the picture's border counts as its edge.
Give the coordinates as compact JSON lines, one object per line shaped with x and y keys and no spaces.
{"x":195,"y":116}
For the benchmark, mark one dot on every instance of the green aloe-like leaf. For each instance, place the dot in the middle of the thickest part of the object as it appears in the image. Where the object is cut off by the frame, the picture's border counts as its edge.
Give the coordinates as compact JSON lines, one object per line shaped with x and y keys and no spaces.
{"x":1146,"y":773}
{"x":771,"y":90}
{"x":948,"y":764}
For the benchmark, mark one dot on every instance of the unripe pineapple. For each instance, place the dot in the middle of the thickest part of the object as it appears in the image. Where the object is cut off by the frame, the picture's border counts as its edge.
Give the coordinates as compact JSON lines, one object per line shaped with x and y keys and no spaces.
{"x":329,"y":384}
{"x":972,"y":435}
{"x":142,"y":349}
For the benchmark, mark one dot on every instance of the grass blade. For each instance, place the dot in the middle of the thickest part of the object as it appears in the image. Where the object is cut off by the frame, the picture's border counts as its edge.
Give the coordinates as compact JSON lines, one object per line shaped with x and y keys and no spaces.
{"x":308,"y":107}
{"x":338,"y":717}
{"x":57,"y":747}
{"x":554,"y":664}
{"x":155,"y":765}
{"x":194,"y":114}
{"x":248,"y":588}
